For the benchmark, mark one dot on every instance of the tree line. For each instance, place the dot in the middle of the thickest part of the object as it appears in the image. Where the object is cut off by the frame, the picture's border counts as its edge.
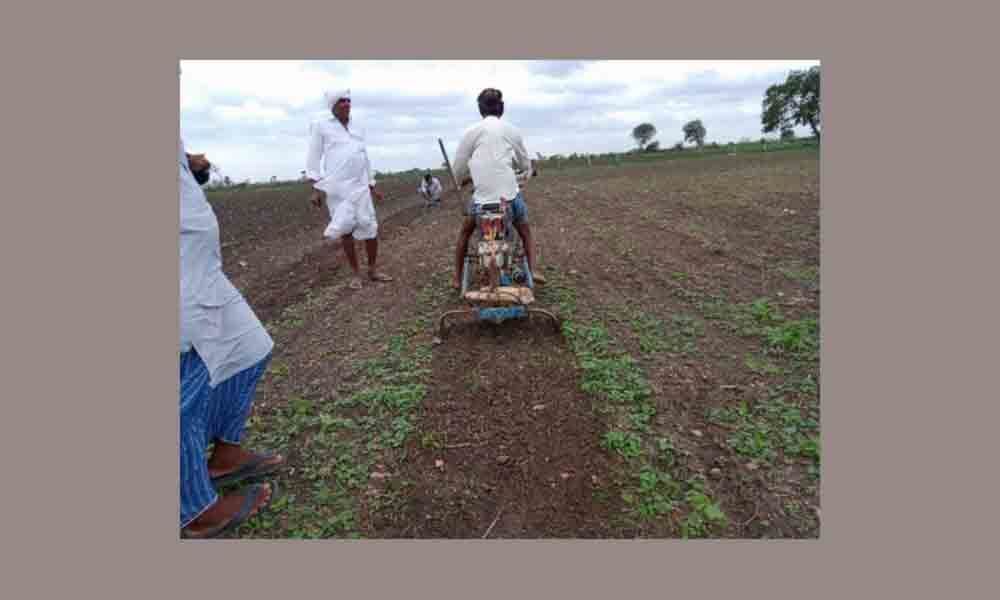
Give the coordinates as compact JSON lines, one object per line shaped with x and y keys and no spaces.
{"x":785,"y":105}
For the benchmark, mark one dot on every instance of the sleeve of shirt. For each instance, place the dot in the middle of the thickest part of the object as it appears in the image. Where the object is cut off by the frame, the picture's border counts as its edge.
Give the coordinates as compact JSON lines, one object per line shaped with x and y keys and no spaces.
{"x":368,"y":163}
{"x":463,"y":154}
{"x":520,"y":152}
{"x":368,"y":169}
{"x":315,"y":154}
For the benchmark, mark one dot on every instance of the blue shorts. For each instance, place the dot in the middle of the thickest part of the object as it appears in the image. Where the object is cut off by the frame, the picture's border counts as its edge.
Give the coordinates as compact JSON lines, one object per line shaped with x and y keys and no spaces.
{"x":519,"y":213}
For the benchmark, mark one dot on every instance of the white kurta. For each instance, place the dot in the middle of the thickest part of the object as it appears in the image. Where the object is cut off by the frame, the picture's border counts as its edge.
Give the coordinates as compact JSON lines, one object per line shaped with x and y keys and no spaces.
{"x":338,"y":162}
{"x":215,"y":319}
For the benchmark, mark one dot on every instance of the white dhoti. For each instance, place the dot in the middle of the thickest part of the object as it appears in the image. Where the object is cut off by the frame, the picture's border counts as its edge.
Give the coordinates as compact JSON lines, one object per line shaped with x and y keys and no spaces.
{"x":351,"y":212}
{"x":349,"y":202}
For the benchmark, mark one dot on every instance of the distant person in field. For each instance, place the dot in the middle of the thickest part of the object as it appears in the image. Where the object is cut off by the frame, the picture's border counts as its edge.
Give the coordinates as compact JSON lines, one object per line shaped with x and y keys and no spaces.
{"x":340,"y":174}
{"x":224,"y":350}
{"x":430,"y":189}
{"x":486,"y":157}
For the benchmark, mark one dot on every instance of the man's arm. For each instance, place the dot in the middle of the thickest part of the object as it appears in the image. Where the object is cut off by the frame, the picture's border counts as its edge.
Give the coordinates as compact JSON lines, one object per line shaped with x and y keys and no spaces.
{"x":462,"y":156}
{"x":369,"y":173}
{"x":197,"y":162}
{"x":521,"y":157}
{"x":314,"y":155}
{"x":314,"y":159}
{"x":368,"y":170}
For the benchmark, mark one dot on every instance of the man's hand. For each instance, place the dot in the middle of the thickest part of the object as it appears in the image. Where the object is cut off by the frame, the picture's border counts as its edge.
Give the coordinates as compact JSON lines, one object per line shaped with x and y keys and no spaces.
{"x":317,"y":198}
{"x":198,"y":162}
{"x":465,"y":182}
{"x":376,"y":193}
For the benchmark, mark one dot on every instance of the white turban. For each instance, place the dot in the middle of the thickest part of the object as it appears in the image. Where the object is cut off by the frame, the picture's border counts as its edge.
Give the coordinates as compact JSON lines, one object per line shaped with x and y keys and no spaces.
{"x":333,"y":95}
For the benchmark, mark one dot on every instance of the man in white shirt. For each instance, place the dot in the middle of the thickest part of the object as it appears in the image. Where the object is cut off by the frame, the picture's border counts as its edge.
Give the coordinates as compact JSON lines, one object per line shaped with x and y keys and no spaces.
{"x":486,"y":157}
{"x":224,"y":351}
{"x":430,"y":189}
{"x":339,"y":172}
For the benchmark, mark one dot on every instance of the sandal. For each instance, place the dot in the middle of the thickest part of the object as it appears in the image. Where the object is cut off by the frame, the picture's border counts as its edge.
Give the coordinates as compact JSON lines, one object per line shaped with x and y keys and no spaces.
{"x":379,"y":277}
{"x":356,"y":283}
{"x":249,"y":501}
{"x":255,"y":468}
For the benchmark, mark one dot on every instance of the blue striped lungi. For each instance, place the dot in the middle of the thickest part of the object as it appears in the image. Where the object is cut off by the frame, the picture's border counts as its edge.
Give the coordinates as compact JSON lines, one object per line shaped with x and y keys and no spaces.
{"x":209,"y":414}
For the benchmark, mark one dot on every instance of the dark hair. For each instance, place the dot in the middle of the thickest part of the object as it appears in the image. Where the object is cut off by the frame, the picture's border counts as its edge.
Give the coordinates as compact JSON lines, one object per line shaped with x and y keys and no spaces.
{"x":490,"y":102}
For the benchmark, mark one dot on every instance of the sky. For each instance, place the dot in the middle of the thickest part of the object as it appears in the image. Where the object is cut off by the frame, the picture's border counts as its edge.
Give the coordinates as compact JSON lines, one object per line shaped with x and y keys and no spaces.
{"x":252,"y":118}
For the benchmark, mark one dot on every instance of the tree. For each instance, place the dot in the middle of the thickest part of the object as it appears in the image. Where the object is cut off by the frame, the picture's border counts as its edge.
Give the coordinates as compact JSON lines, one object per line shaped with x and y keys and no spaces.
{"x":643,"y":133}
{"x":794,"y":102}
{"x":653,"y":147}
{"x":694,"y":131}
{"x":787,"y":134}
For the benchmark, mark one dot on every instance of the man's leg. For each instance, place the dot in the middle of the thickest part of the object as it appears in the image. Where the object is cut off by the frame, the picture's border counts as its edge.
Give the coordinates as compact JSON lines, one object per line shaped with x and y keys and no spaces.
{"x":524,"y":230}
{"x":347,"y":241}
{"x":202,"y":509}
{"x":232,"y":401}
{"x":352,"y":256}
{"x":371,"y":247}
{"x":460,"y":250}
{"x":196,"y":491}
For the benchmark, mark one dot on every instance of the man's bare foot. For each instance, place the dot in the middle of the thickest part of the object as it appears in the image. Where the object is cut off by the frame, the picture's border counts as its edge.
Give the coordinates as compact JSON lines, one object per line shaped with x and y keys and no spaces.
{"x":229,"y":511}
{"x":376,"y":276}
{"x":455,"y":284}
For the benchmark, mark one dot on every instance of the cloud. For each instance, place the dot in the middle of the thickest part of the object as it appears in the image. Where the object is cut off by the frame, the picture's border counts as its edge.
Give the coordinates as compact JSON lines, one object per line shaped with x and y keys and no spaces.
{"x":557,"y":68}
{"x":250,"y":111}
{"x":253,"y":116}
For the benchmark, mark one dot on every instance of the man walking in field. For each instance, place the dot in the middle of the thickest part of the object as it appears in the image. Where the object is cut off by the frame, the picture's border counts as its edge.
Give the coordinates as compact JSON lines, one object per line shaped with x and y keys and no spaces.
{"x":339,"y":172}
{"x":486,"y":157}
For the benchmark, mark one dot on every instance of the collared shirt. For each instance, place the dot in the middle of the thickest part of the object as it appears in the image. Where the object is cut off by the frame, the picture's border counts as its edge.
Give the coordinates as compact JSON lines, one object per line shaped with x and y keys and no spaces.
{"x":337,"y":156}
{"x":488,"y":152}
{"x":433,"y":190}
{"x":215,"y":319}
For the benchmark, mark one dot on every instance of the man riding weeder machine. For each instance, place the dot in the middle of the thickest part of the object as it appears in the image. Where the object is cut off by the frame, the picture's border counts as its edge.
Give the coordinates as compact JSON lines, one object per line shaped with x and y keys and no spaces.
{"x":496,"y":279}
